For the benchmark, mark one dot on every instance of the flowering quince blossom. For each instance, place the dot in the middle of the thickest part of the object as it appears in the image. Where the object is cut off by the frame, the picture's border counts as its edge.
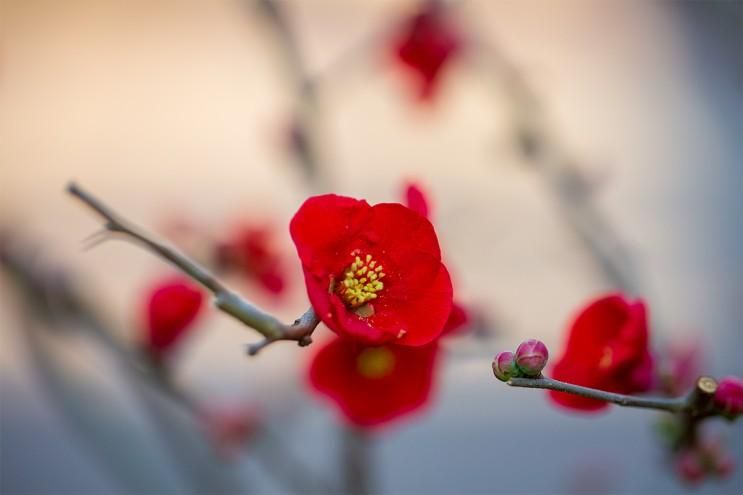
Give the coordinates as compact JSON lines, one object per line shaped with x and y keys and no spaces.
{"x":251,"y":251}
{"x":170,"y":307}
{"x":424,"y":46}
{"x":373,"y":273}
{"x":374,"y":385}
{"x":606,"y":349}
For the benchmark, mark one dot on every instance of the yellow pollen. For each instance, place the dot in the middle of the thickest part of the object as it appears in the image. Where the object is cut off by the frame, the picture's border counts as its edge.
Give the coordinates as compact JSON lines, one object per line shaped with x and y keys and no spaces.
{"x":362,"y":281}
{"x":606,"y":358}
{"x":375,"y":362}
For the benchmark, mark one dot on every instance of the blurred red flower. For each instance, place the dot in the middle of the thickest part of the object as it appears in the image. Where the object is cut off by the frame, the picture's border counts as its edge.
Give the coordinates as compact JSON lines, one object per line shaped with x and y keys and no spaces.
{"x":170,"y":308}
{"x":606,"y":349}
{"x":251,"y":251}
{"x":425,"y":44}
{"x":374,"y":385}
{"x":373,"y":273}
{"x":679,"y":366}
{"x":231,"y":428}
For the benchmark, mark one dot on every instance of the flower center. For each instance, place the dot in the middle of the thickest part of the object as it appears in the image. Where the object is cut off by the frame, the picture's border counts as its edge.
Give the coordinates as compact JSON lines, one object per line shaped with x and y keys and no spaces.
{"x":375,"y":362}
{"x":362,"y":281}
{"x":607,"y":357}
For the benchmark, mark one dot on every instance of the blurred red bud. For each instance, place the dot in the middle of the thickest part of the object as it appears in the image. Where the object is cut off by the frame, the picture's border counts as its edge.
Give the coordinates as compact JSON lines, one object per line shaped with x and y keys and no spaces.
{"x":689,"y":466}
{"x":729,"y":396}
{"x":416,"y":199}
{"x":171,"y":306}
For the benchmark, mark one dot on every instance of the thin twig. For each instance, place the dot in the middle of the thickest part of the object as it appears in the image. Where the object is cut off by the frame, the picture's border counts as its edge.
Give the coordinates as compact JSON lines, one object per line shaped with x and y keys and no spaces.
{"x":695,"y":403}
{"x":225,"y":299}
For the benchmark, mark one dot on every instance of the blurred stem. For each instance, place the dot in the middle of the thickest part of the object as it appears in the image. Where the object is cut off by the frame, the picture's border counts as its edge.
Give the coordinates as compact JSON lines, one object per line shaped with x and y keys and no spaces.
{"x":49,"y":294}
{"x":695,"y":404}
{"x":357,"y":458}
{"x":541,"y":149}
{"x":225,"y":299}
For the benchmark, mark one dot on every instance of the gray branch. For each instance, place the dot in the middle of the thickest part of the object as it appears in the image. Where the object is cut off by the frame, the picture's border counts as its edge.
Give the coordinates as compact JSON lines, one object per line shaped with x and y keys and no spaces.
{"x":696,"y":402}
{"x":226,"y":300}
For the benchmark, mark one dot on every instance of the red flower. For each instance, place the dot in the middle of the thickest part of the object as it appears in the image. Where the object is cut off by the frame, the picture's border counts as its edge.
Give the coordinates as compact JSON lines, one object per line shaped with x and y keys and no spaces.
{"x":607,"y":349}
{"x":373,"y":273}
{"x":171,"y":306}
{"x":373,"y":385}
{"x":426,"y":43}
{"x":251,"y":251}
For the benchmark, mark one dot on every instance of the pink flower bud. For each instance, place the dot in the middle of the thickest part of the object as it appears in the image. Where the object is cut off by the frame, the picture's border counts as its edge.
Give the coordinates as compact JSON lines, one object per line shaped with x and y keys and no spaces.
{"x":531,"y":357}
{"x":504,"y":366}
{"x":689,"y":467}
{"x":729,"y":396}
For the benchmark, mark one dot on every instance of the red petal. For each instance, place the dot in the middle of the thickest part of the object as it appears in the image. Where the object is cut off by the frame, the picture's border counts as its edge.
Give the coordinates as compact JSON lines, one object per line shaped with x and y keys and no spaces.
{"x":370,"y":402}
{"x":416,"y":200}
{"x":458,"y":319}
{"x":171,"y":306}
{"x":323,"y":226}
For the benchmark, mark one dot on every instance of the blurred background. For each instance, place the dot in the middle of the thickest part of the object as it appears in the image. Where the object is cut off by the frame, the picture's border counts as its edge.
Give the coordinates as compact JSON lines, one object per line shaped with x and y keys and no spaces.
{"x":184,"y":116}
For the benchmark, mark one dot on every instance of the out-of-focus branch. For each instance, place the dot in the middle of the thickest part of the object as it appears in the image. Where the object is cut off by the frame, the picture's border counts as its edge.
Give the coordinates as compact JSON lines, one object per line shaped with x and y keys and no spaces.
{"x":540,"y":147}
{"x":357,"y":457}
{"x":697,"y":403}
{"x":50,"y":292}
{"x":225,"y":299}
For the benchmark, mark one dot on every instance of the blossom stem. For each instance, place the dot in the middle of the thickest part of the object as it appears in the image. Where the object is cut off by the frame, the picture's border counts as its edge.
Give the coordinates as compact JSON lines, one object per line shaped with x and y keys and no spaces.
{"x":696,"y":403}
{"x":225,"y":299}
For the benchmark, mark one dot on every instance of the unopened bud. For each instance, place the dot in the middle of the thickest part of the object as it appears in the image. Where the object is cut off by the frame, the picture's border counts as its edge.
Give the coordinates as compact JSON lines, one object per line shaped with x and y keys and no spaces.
{"x":729,"y":396}
{"x":504,"y":366}
{"x":689,"y":466}
{"x":724,"y":465}
{"x":531,"y":357}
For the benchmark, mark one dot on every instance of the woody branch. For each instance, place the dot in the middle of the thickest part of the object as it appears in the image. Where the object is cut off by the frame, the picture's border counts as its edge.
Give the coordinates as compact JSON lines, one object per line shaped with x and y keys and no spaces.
{"x":225,"y":299}
{"x":696,"y":403}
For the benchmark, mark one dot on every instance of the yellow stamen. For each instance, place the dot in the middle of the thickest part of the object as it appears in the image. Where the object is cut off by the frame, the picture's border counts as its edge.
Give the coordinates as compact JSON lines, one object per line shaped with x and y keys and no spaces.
{"x":606,"y":358}
{"x":375,"y":362}
{"x":362,"y":281}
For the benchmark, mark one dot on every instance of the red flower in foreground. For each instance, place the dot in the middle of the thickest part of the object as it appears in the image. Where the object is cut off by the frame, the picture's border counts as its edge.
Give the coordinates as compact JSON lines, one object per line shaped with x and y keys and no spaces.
{"x":373,"y":385}
{"x":373,"y":273}
{"x":171,"y":306}
{"x":426,"y":43}
{"x":607,"y":349}
{"x":251,"y":251}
